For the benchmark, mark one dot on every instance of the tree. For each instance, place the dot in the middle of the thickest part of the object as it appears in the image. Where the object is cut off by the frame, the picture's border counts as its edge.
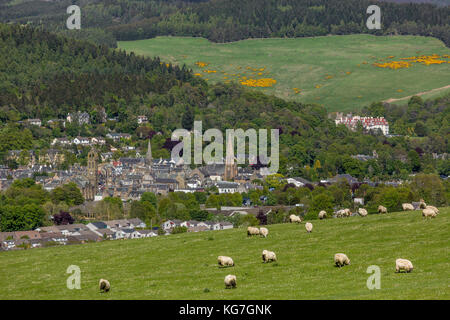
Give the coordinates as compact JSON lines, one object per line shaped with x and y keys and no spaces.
{"x":150,"y":197}
{"x":179,"y":229}
{"x":420,"y":129}
{"x":143,"y":210}
{"x":414,"y":160}
{"x":261,"y":217}
{"x":187,"y":120}
{"x":26,"y":217}
{"x":63,"y":218}
{"x":199,"y":215}
{"x":323,"y":201}
{"x":430,"y":188}
{"x":249,"y":220}
{"x":68,"y":193}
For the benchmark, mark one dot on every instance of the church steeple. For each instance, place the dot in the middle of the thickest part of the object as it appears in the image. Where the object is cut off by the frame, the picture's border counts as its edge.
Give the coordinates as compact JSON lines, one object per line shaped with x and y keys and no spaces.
{"x":230,"y":165}
{"x":90,"y":189}
{"x":148,"y":156}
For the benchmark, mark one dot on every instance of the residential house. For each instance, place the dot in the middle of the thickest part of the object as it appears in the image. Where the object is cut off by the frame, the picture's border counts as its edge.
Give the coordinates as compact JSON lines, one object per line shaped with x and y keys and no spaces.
{"x":227,"y":187}
{"x":61,"y":141}
{"x":34,"y":122}
{"x":142,"y":119}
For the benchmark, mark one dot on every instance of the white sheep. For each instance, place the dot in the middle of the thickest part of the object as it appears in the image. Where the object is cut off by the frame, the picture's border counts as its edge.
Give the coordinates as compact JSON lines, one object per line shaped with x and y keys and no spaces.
{"x":268,"y":256}
{"x":382,"y":209}
{"x":263,"y":232}
{"x":428,"y":213}
{"x":362,"y":212}
{"x":403,"y":264}
{"x":340,"y":213}
{"x":252,"y":231}
{"x":230,"y":281}
{"x":407,"y":206}
{"x":347,"y":212}
{"x":436,"y":210}
{"x":225,"y":261}
{"x":308,"y":226}
{"x":322,"y":214}
{"x":293,"y":218}
{"x":341,"y":259}
{"x":104,"y":285}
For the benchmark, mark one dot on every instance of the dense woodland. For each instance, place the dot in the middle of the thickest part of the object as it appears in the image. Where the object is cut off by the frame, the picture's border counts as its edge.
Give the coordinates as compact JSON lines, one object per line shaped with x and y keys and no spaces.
{"x":105,"y":21}
{"x":45,"y":76}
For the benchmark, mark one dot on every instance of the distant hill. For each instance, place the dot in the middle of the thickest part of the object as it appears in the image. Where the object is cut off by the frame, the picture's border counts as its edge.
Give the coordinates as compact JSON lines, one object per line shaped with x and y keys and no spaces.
{"x":309,"y":70}
{"x":228,"y":20}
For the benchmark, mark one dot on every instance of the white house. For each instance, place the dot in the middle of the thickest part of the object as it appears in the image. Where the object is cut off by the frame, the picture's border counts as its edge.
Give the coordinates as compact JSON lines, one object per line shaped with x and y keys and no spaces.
{"x":227,"y":187}
{"x":368,"y":123}
{"x":61,"y":141}
{"x":81,"y":140}
{"x":34,"y":122}
{"x":142,"y":119}
{"x":147,"y":233}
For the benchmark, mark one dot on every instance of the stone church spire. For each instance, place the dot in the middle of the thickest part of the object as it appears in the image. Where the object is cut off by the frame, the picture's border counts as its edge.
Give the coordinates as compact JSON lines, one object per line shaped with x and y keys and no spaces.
{"x":230,"y":165}
{"x":148,"y":156}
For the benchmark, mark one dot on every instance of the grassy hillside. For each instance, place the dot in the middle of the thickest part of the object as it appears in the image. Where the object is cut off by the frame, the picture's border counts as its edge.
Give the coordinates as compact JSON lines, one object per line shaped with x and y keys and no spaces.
{"x":336,"y":71}
{"x":183,"y":266}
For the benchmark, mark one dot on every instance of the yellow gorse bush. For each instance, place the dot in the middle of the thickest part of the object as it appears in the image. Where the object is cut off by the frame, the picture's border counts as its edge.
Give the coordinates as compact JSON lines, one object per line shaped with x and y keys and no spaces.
{"x":259,"y":83}
{"x":201,"y":64}
{"x":407,"y":62}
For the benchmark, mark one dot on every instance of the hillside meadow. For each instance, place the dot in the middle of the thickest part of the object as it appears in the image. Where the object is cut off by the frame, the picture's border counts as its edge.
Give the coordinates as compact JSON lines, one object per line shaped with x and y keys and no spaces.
{"x":335,"y":71}
{"x":184,"y":266}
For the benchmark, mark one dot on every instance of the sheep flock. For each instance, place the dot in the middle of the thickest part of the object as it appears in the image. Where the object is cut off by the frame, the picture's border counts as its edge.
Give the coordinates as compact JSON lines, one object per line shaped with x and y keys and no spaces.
{"x":340,"y":259}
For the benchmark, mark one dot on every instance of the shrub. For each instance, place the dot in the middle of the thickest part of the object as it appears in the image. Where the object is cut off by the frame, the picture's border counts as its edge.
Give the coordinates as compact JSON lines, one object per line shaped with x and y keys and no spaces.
{"x":179,"y":229}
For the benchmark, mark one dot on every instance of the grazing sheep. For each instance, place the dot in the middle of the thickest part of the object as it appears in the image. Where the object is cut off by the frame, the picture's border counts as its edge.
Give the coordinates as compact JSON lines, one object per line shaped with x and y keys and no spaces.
{"x":268,"y":256}
{"x":230,"y":281}
{"x":347,"y":212}
{"x":340,"y":213}
{"x":403,"y":264}
{"x":436,"y":210}
{"x":407,"y":206}
{"x":422,"y":204}
{"x":104,"y":285}
{"x":322,"y":214}
{"x":428,"y":213}
{"x":382,"y":209}
{"x":263,"y":232}
{"x":362,"y":212}
{"x":293,"y":218}
{"x":340,"y":260}
{"x":252,"y":231}
{"x":225,"y":261}
{"x":308,"y":226}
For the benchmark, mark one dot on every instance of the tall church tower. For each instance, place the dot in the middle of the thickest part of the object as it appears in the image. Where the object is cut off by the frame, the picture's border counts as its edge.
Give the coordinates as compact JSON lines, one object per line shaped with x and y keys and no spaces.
{"x":230,"y":165}
{"x":92,"y":175}
{"x":148,"y":156}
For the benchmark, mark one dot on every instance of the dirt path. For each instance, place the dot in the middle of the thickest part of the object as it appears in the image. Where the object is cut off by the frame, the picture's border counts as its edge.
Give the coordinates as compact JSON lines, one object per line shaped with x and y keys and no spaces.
{"x":417,"y":94}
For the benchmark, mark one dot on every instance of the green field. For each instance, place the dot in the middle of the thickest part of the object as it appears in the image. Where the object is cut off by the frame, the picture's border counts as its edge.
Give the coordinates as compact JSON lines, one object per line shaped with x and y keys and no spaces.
{"x":341,"y":65}
{"x":184,"y":266}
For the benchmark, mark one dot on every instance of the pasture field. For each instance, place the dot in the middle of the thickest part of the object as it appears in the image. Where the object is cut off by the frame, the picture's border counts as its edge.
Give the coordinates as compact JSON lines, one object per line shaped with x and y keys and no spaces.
{"x":335,"y":71}
{"x":184,"y":266}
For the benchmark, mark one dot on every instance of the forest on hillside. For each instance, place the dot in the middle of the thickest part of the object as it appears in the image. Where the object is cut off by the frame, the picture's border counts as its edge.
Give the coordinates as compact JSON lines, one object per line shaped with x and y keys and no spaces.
{"x":105,"y":21}
{"x":43,"y":75}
